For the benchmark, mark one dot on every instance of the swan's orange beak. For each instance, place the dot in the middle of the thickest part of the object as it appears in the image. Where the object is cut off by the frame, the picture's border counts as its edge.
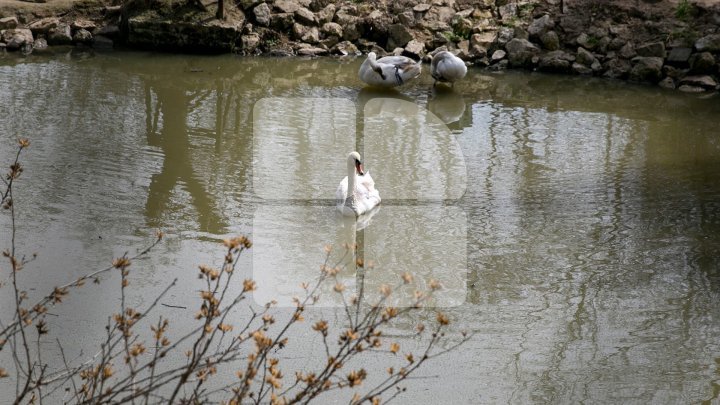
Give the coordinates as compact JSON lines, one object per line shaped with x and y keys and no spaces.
{"x":359,"y":168}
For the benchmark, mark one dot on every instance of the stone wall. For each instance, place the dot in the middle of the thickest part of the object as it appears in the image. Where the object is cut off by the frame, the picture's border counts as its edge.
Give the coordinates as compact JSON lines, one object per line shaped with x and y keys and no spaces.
{"x":673,"y":43}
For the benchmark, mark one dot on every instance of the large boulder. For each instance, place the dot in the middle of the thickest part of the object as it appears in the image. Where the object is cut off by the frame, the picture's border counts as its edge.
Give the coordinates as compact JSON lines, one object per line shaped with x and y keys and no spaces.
{"x":43,"y":25}
{"x":82,"y":36}
{"x":550,"y":41}
{"x":584,"y":57}
{"x":710,"y":43}
{"x":521,"y":52}
{"x":60,"y":35}
{"x":706,"y":82}
{"x":326,"y":14}
{"x":8,"y":23}
{"x":286,"y":6}
{"x":616,"y":68}
{"x":656,"y":49}
{"x":250,"y":42}
{"x":540,"y":26}
{"x":262,"y":14}
{"x":305,"y":16}
{"x":399,"y":35}
{"x":679,"y":56}
{"x":556,"y":62}
{"x":16,"y":38}
{"x":332,"y":29}
{"x":415,"y":49}
{"x":702,"y":63}
{"x":646,"y":69}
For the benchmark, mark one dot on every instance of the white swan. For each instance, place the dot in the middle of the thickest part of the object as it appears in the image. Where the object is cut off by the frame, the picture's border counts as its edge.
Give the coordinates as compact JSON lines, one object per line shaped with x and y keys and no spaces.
{"x":446,"y":67}
{"x":390,"y":71}
{"x":356,"y":193}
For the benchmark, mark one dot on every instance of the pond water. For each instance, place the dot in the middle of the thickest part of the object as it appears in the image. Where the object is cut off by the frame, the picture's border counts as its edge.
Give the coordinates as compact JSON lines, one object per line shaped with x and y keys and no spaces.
{"x":574,"y":223}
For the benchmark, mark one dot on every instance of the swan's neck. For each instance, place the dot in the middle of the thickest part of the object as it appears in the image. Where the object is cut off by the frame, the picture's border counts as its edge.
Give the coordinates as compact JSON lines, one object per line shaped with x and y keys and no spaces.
{"x":351,"y":180}
{"x":373,"y":63}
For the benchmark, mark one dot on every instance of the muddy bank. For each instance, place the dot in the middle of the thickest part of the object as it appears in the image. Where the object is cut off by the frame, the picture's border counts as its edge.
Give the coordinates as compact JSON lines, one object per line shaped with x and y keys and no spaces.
{"x":672,"y":43}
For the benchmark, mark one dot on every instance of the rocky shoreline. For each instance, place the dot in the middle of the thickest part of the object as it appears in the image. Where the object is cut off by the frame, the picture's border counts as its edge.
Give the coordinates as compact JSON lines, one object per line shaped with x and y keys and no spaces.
{"x":671,"y":43}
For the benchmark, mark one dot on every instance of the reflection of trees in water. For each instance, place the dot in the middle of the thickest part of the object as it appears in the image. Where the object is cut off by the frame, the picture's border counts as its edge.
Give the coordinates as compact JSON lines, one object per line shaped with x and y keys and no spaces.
{"x":600,"y":238}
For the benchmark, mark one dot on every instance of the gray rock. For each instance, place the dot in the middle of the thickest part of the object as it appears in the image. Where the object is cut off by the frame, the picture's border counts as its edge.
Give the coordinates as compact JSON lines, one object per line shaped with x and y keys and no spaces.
{"x":497,"y":56}
{"x":477,"y":52}
{"x":555,"y":61}
{"x":345,"y":16}
{"x":520,"y":33}
{"x":586,"y":41}
{"x":312,"y":51}
{"x":399,"y":36}
{"x":250,"y":42}
{"x":462,"y":26}
{"x":262,"y":14}
{"x":326,"y":15}
{"x":109,"y":31}
{"x":299,"y":30}
{"x":415,"y":49}
{"x":521,"y":52}
{"x":540,"y":26}
{"x":584,"y":57}
{"x":286,"y":6}
{"x":673,"y":72}
{"x":603,"y":44}
{"x":248,"y":4}
{"x":550,"y":41}
{"x":500,"y":66}
{"x":508,"y":11}
{"x":102,"y":42}
{"x":16,"y":38}
{"x":8,"y":23}
{"x":679,"y":56}
{"x":43,"y":25}
{"x":344,"y":48}
{"x":656,"y":49}
{"x":710,"y":43}
{"x":407,"y":18}
{"x":421,"y":8}
{"x":40,"y":45}
{"x":616,"y":68}
{"x":691,"y":89}
{"x":82,"y":24}
{"x":667,"y":83}
{"x":312,"y":36}
{"x":702,"y":63}
{"x":581,"y":69}
{"x":596,"y":66}
{"x":620,"y":31}
{"x":332,"y":29}
{"x":82,"y":36}
{"x":484,"y":40}
{"x":305,"y":16}
{"x":281,"y":21}
{"x":505,"y":35}
{"x":616,"y":43}
{"x":627,"y":51}
{"x":705,"y":82}
{"x":351,"y":32}
{"x":646,"y":69}
{"x":440,"y":14}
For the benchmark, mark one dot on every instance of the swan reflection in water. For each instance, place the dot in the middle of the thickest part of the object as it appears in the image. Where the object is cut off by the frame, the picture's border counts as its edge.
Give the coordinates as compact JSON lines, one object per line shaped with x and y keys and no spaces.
{"x":351,"y":244}
{"x":446,"y":104}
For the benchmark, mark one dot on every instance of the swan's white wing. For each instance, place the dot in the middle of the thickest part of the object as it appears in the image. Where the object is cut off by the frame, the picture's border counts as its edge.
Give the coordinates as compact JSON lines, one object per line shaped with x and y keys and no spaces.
{"x":341,"y":192}
{"x":366,"y":192}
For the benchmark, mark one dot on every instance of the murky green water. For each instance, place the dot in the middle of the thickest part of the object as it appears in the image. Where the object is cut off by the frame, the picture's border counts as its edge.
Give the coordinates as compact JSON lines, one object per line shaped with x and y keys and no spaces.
{"x":575,"y":223}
